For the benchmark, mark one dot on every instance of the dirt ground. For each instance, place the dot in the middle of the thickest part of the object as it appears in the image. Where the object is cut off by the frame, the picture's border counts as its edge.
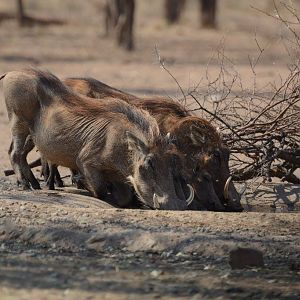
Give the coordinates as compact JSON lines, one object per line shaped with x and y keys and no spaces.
{"x":67,"y":245}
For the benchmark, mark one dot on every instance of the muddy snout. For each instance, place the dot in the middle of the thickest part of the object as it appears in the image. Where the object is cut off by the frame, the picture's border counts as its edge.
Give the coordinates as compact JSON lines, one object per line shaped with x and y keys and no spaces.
{"x":180,"y":201}
{"x":168,"y":203}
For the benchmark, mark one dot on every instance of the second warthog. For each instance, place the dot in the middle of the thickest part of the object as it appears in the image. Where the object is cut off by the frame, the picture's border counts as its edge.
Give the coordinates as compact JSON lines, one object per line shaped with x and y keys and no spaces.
{"x":206,"y":158}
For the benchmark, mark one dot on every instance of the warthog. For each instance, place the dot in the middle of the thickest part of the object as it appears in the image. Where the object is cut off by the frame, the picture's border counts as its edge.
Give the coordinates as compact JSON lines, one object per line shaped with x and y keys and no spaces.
{"x":206,"y":157}
{"x":107,"y":142}
{"x":207,"y":163}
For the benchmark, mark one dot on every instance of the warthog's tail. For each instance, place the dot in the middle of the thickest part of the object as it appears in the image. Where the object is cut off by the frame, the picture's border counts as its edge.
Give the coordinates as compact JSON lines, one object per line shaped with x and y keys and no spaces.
{"x":34,"y":164}
{"x":2,"y":76}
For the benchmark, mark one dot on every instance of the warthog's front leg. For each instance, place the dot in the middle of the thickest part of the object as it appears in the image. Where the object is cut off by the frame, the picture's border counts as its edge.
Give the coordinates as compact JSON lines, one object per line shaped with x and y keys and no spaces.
{"x":93,"y":179}
{"x":51,"y":174}
{"x":20,"y":146}
{"x":45,"y":170}
{"x":78,"y":179}
{"x":121,"y":193}
{"x":54,"y":177}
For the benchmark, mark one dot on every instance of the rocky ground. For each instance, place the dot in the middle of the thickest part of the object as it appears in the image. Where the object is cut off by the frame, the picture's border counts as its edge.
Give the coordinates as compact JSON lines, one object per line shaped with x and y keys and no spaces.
{"x":64,"y":245}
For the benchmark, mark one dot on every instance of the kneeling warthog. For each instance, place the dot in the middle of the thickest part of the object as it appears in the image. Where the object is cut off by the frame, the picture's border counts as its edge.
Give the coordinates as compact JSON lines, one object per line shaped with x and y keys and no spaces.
{"x":207,"y":163}
{"x":206,"y":158}
{"x":109,"y":141}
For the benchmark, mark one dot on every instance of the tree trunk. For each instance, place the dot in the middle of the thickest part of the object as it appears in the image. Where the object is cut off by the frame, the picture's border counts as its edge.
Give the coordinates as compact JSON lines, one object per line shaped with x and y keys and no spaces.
{"x":20,"y":13}
{"x":112,"y":14}
{"x":125,"y":24}
{"x":173,"y":10}
{"x":119,"y":19}
{"x":208,"y":13}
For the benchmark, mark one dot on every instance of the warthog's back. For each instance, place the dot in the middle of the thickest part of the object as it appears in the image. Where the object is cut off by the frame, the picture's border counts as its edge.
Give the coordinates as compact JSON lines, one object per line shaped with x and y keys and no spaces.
{"x":165,"y":110}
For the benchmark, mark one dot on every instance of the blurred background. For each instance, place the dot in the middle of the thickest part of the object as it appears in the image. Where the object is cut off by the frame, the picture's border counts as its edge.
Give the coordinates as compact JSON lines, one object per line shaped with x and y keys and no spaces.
{"x":71,"y":38}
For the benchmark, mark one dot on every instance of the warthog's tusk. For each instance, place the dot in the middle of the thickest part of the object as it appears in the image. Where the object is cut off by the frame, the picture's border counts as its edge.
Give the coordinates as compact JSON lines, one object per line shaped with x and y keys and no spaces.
{"x":155,"y":202}
{"x":243,"y":190}
{"x":190,"y":199}
{"x":226,"y":188}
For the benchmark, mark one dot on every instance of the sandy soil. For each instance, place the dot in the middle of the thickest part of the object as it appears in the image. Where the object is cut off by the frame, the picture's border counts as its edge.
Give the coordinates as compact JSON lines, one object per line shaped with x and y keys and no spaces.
{"x":67,"y":245}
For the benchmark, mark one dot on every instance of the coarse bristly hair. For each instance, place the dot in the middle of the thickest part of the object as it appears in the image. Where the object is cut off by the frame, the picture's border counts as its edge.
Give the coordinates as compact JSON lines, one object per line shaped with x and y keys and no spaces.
{"x":97,"y":89}
{"x":91,"y":108}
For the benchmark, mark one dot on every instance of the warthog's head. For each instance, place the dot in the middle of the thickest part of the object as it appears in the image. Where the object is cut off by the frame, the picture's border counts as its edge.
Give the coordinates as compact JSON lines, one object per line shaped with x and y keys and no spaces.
{"x":207,"y":164}
{"x":155,"y":174}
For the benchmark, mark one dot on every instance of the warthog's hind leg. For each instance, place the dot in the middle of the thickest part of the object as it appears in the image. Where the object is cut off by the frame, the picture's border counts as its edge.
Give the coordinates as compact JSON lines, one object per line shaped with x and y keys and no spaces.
{"x":77,"y":179}
{"x":14,"y":159}
{"x":58,"y":181}
{"x":54,"y":177}
{"x":121,"y":193}
{"x":45,"y":170}
{"x":20,"y":146}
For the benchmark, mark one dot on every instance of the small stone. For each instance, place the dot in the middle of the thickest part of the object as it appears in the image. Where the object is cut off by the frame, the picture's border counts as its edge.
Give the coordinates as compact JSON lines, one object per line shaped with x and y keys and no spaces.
{"x":225,"y":276}
{"x":241,"y":258}
{"x":156,"y":273}
{"x":166,"y":254}
{"x":272,"y":281}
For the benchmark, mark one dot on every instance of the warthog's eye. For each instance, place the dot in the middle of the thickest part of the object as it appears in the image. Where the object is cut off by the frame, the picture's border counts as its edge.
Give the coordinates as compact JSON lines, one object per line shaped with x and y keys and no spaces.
{"x":148,"y":164}
{"x":217,"y":156}
{"x":206,"y":176}
{"x":175,"y":160}
{"x":226,"y":154}
{"x":196,"y":169}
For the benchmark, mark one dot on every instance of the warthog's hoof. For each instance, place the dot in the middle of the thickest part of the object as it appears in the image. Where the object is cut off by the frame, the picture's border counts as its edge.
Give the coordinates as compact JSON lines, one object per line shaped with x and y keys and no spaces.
{"x":35,"y":185}
{"x":23,"y":185}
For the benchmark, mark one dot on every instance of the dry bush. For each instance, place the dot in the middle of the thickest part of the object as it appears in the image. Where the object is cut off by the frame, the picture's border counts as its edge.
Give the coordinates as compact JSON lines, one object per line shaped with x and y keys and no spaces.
{"x":260,"y":125}
{"x":260,"y":128}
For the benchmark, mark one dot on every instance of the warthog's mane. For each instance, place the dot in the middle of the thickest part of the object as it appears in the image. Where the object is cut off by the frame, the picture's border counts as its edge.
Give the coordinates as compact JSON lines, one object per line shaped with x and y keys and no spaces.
{"x":194,"y":125}
{"x":155,"y":104}
{"x":169,"y":107}
{"x":93,"y":88}
{"x":48,"y":80}
{"x":111,"y":109}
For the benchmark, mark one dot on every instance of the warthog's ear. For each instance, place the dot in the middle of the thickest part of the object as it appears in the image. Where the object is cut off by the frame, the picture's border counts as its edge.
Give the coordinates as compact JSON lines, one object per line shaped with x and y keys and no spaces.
{"x":196,"y":136}
{"x":135,"y":144}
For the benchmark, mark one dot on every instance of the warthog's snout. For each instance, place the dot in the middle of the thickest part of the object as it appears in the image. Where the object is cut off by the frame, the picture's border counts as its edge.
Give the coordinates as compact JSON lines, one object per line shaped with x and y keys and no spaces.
{"x":173,"y":203}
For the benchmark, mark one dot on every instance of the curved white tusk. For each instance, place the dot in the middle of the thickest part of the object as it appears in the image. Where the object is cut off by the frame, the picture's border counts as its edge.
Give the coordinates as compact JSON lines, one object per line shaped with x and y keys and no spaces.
{"x":226,"y":188}
{"x":190,"y":199}
{"x":155,"y":202}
